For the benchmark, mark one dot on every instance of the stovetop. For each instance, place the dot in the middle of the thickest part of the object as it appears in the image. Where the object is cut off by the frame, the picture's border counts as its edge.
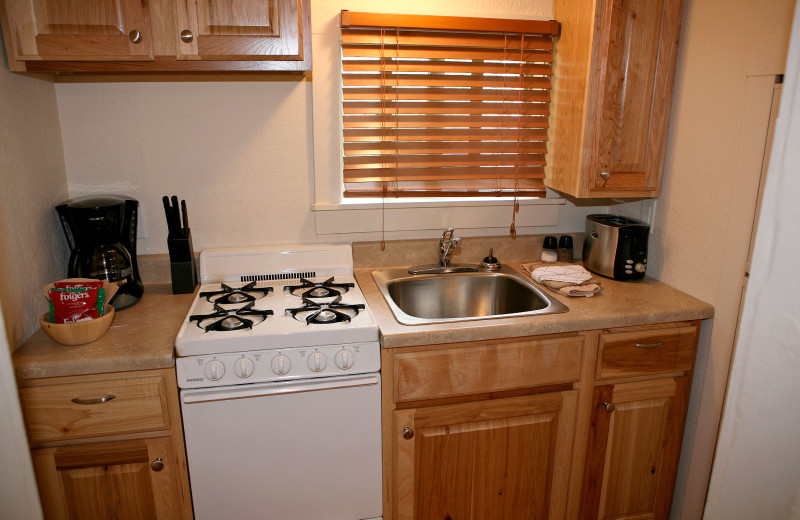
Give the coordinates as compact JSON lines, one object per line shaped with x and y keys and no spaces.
{"x":315,"y":303}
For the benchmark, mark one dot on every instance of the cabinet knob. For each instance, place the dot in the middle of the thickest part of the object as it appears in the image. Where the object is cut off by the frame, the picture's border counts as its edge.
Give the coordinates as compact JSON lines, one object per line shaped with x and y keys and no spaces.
{"x":186,"y":35}
{"x":609,"y":407}
{"x":135,"y":36}
{"x":157,"y":465}
{"x":407,"y":433}
{"x":605,"y":174}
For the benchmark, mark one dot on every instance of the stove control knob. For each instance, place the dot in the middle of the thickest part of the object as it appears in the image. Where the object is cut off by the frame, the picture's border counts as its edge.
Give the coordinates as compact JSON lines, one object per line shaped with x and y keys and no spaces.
{"x":243,"y":367}
{"x":344,"y":359}
{"x":317,"y":362}
{"x":214,"y":370}
{"x":281,"y":364}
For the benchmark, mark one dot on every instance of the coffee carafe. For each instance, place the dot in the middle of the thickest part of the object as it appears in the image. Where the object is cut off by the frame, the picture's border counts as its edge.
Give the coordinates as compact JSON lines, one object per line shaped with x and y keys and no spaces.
{"x":101,"y":233}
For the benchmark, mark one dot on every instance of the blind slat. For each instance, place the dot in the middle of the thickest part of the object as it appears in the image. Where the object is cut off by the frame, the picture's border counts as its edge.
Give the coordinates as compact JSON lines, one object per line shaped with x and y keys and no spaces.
{"x":443,"y":107}
{"x":416,"y":174}
{"x":451,"y":67}
{"x":375,"y":51}
{"x":447,"y":93}
{"x":443,"y":80}
{"x":390,"y":148}
{"x":442,"y":134}
{"x":421,"y":161}
{"x":511,"y":42}
{"x":434,"y":121}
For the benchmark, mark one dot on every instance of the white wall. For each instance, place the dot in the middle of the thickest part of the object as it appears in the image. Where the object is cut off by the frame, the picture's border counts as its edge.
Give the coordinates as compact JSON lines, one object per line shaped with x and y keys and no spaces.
{"x":757,"y":463}
{"x":34,"y":249}
{"x":699,"y":244}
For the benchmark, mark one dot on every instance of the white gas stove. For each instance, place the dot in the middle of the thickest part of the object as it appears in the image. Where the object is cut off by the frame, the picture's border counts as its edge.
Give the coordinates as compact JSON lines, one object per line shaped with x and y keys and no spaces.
{"x":276,"y":313}
{"x":278,"y":361}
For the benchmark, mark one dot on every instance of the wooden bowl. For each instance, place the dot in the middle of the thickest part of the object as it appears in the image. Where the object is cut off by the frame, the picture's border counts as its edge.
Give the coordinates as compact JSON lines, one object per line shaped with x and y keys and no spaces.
{"x":78,"y":333}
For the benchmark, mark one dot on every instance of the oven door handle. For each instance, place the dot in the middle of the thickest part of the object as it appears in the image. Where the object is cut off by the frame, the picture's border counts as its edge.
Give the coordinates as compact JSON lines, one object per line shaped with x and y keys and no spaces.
{"x":267,"y":390}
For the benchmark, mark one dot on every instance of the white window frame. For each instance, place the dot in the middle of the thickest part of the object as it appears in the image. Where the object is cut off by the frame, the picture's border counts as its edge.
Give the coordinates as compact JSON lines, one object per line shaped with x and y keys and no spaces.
{"x":336,"y":215}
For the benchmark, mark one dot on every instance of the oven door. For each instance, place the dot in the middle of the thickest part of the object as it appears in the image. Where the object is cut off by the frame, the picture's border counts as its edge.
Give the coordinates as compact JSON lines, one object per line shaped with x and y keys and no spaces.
{"x":294,"y":450}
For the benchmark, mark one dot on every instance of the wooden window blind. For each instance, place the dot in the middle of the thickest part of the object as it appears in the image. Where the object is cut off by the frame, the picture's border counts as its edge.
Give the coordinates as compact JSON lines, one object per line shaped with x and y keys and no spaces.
{"x":439,"y":106}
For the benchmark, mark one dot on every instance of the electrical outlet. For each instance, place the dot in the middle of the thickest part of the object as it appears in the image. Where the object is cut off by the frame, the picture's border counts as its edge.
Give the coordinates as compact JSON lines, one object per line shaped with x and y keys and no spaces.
{"x":648,"y":214}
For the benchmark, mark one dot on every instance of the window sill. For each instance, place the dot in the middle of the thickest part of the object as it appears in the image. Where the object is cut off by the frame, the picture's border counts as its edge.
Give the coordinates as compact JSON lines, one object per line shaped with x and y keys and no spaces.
{"x":481,"y":215}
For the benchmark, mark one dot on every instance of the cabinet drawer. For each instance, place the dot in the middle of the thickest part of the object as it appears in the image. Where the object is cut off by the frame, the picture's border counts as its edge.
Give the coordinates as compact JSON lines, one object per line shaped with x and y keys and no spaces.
{"x":624,"y":354}
{"x":75,"y":410}
{"x":486,"y":368}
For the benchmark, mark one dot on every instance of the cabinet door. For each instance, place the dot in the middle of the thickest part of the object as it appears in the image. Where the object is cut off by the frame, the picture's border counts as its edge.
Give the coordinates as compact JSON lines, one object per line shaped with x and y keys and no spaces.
{"x":129,"y":479}
{"x":638,"y":41}
{"x":240,"y":29}
{"x":633,"y":451}
{"x":498,"y":459}
{"x":80,"y":29}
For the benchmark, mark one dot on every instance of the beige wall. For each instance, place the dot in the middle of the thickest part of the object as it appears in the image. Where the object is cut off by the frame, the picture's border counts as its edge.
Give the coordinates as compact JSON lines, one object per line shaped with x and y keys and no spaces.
{"x":701,"y":236}
{"x":34,"y":250}
{"x":757,"y":464}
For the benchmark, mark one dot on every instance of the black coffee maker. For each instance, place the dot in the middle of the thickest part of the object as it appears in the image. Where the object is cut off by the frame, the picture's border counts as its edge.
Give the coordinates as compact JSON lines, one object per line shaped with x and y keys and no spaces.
{"x":101,"y":233}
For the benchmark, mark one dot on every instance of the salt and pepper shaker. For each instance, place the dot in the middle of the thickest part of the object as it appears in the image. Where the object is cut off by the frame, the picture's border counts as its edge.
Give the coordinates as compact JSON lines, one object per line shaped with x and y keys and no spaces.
{"x":549,"y":249}
{"x":565,"y":249}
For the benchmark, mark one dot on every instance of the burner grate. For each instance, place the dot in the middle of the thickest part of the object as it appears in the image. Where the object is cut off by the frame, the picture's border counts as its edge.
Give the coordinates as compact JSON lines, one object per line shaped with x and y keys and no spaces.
{"x":222,"y":320}
{"x":277,"y":276}
{"x":322,"y":313}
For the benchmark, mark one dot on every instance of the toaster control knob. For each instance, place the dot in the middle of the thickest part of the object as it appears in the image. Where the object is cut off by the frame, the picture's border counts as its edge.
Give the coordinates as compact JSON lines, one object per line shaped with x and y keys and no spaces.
{"x":281,"y":364}
{"x":243,"y":367}
{"x":640,"y":267}
{"x":317,"y":362}
{"x":214,"y":370}
{"x":344,"y":359}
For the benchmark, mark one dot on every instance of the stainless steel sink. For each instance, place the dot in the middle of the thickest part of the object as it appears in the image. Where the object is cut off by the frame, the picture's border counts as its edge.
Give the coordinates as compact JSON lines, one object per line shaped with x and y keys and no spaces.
{"x":440,"y":298}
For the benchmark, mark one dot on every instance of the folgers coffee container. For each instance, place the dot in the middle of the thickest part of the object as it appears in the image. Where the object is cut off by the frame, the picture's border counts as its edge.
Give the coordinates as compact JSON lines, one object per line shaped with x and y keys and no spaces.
{"x":616,"y":246}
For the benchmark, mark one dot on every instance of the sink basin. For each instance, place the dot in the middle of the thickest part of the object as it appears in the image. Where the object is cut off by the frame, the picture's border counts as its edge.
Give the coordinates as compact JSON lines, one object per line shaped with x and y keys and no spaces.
{"x":442,"y":298}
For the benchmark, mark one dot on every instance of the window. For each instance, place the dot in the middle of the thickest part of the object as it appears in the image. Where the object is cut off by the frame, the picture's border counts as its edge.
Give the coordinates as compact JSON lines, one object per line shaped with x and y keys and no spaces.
{"x":439,"y":106}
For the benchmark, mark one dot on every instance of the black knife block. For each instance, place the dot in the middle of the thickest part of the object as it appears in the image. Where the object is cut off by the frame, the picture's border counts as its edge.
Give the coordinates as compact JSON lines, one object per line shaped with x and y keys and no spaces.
{"x":182,"y":263}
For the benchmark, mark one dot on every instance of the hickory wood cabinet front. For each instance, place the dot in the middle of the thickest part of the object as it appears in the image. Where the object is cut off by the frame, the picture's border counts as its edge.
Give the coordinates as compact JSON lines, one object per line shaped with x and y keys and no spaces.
{"x":156,"y":36}
{"x":613,"y":75}
{"x":108,"y":446}
{"x":582,"y":425}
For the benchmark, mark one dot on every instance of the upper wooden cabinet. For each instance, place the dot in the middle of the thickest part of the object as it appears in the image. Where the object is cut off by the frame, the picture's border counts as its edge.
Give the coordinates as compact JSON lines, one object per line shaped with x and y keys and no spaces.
{"x":614,"y":69}
{"x":156,"y":36}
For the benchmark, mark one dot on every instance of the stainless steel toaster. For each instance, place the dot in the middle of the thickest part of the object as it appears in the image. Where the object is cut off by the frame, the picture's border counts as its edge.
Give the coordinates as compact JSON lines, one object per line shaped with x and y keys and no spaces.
{"x":616,"y":246}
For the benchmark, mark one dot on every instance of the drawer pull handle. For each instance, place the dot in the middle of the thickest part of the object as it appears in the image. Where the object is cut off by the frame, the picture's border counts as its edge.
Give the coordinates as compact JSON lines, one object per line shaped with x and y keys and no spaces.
{"x":649,"y":345}
{"x":78,"y":400}
{"x":609,"y":407}
{"x":157,"y":465}
{"x":408,"y":433}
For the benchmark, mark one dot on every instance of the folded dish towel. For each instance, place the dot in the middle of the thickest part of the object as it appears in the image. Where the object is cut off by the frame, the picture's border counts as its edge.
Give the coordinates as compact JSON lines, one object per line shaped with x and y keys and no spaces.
{"x":569,"y":280}
{"x":572,"y":274}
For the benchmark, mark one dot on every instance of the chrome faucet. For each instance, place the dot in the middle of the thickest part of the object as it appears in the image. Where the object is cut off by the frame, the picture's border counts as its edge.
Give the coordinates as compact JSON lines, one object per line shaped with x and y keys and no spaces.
{"x":447,"y":244}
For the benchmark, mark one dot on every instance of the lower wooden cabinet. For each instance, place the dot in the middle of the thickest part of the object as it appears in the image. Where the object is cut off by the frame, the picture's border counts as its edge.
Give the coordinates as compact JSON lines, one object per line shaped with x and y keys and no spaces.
{"x":127,"y":479}
{"x":108,"y":446}
{"x":494,"y":459}
{"x":634,"y":446}
{"x":585,"y":425}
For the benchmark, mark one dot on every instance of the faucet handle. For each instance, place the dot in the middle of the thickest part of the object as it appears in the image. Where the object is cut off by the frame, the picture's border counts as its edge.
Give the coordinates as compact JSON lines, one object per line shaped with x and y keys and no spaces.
{"x":447,"y":234}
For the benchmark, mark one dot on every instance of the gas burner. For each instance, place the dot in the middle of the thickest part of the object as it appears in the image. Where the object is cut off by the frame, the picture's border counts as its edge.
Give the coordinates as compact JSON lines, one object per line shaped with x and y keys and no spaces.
{"x":233,"y":296}
{"x":326,"y":289}
{"x":321,"y":313}
{"x":231,"y":319}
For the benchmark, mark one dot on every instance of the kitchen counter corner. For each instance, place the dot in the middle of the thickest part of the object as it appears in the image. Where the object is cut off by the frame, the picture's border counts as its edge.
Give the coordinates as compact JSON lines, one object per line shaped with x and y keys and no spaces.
{"x":141,"y":337}
{"x":619,"y":304}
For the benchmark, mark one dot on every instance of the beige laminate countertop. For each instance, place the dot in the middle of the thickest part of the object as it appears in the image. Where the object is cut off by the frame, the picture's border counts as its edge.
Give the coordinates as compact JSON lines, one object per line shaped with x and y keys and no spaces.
{"x":619,"y":304}
{"x":141,"y":337}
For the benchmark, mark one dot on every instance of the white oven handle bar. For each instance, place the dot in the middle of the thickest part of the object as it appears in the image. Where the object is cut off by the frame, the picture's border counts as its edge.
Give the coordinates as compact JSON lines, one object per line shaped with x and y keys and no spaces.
{"x":272,"y":389}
